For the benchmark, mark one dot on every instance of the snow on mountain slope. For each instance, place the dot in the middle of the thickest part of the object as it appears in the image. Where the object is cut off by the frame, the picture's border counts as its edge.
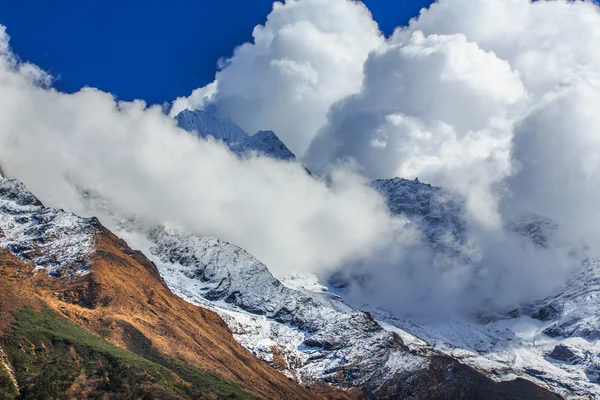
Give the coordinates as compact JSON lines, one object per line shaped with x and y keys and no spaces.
{"x":296,"y":324}
{"x":306,"y":331}
{"x":553,"y":343}
{"x":569,"y":322}
{"x":314,"y":336}
{"x":265,"y":142}
{"x":209,"y":122}
{"x":109,"y":290}
{"x":509,"y":348}
{"x":438,"y":214}
{"x":574,"y":311}
{"x":55,"y":241}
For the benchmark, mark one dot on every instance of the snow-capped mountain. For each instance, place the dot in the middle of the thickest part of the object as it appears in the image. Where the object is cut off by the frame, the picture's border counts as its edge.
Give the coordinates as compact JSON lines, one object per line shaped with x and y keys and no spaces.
{"x":80,"y":308}
{"x":295,"y":324}
{"x":315,"y":336}
{"x":438,"y":214}
{"x":574,"y":311}
{"x":312,"y":334}
{"x":553,"y":343}
{"x":54,"y":240}
{"x":210,"y":122}
{"x":309,"y":333}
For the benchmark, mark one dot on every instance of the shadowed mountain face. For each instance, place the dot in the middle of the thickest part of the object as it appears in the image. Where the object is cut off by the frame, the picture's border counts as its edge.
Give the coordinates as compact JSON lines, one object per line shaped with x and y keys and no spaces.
{"x":82,"y":315}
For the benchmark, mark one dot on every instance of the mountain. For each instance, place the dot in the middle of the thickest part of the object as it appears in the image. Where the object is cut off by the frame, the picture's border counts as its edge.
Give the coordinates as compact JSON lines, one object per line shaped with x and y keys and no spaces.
{"x":210,"y":122}
{"x":553,"y":343}
{"x":308,"y":332}
{"x":311,"y":334}
{"x":314,"y":337}
{"x":300,"y":328}
{"x":192,"y":321}
{"x":438,"y":213}
{"x":574,"y":310}
{"x":82,"y":315}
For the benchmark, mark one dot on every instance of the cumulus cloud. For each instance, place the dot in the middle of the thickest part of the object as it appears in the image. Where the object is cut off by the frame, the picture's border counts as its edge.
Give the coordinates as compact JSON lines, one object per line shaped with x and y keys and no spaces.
{"x":495,"y":101}
{"x":491,"y":99}
{"x":442,"y":97}
{"x":145,"y":166}
{"x":556,"y":151}
{"x":437,"y":107}
{"x":308,"y":55}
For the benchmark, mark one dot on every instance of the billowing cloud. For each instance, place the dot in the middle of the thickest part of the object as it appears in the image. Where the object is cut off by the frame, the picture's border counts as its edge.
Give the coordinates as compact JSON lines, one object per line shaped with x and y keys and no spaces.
{"x":308,"y":55}
{"x":556,"y":153}
{"x":491,"y":99}
{"x":437,"y":107}
{"x":145,"y":166}
{"x":443,"y":97}
{"x":495,"y":101}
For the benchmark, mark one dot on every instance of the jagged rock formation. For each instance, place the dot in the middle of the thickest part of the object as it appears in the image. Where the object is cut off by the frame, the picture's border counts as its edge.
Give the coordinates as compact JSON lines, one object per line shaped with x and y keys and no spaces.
{"x":438,"y":213}
{"x":574,"y":311}
{"x":301,"y":328}
{"x":322,"y":338}
{"x":53,"y":240}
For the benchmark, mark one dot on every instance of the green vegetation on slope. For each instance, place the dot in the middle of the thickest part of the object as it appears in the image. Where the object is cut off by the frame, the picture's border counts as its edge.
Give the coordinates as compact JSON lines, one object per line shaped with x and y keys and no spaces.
{"x":55,"y":358}
{"x":7,"y":388}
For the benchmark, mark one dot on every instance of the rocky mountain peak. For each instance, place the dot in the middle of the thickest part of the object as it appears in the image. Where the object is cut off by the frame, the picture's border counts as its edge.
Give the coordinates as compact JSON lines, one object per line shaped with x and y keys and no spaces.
{"x":210,"y":121}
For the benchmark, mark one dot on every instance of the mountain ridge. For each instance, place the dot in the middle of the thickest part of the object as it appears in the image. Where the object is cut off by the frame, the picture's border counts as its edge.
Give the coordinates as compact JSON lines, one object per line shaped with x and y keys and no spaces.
{"x":120,"y":294}
{"x":210,"y":122}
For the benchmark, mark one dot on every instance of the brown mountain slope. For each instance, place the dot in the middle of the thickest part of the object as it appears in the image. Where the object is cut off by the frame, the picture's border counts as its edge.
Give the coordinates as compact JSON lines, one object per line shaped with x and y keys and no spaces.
{"x":124,"y":300}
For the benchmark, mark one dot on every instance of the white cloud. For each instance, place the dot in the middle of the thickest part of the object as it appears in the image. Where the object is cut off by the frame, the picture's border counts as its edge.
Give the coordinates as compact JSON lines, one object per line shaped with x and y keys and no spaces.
{"x":495,"y":100}
{"x":442,"y":98}
{"x":556,"y":151}
{"x":308,"y":55}
{"x":142,"y":163}
{"x":197,"y":100}
{"x":443,"y":107}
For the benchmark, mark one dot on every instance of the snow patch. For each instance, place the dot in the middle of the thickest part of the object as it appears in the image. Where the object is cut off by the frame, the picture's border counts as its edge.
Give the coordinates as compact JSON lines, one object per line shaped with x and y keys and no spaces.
{"x":56,"y":241}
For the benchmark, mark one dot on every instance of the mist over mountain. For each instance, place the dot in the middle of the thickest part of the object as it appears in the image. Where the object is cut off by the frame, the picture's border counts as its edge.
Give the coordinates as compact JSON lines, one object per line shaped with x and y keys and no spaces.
{"x":466,"y":97}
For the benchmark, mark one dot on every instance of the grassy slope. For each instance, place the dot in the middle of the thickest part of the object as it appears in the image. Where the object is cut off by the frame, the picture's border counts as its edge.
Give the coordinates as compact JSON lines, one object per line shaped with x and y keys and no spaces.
{"x":55,"y":358}
{"x":7,"y":389}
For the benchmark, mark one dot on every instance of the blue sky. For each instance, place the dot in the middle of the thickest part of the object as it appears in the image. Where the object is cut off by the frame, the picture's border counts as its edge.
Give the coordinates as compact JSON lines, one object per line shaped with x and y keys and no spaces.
{"x":153,"y":50}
